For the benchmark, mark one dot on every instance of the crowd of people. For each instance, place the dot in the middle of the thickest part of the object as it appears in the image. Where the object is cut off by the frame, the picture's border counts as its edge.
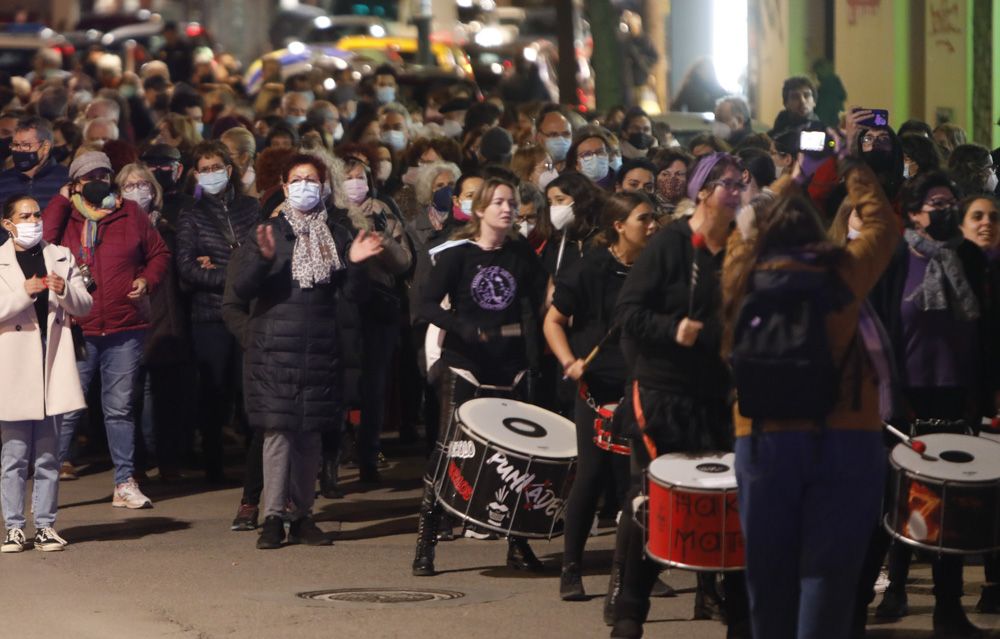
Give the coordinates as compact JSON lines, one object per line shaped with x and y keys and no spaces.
{"x":282,"y":260}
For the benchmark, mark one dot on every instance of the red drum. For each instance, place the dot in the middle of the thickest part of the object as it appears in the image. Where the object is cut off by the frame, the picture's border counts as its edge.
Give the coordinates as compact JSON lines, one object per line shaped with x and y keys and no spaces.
{"x":693,"y":516}
{"x":948,"y":499}
{"x":604,"y":437}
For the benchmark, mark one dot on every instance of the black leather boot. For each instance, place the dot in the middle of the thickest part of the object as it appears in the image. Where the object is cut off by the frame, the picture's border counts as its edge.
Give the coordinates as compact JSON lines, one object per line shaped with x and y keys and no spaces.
{"x":423,"y":562}
{"x":571,"y":583}
{"x":950,"y":621}
{"x":520,"y":556}
{"x":328,"y":481}
{"x":707,"y":600}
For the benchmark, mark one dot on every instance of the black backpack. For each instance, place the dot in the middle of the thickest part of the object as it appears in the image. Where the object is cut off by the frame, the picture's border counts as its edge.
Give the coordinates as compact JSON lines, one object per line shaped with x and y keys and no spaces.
{"x":781,"y":359}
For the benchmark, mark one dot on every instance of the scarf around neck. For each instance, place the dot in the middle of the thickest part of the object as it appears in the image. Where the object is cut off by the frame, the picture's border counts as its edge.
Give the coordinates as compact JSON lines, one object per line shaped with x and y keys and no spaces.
{"x":944,"y":286}
{"x":91,"y":217}
{"x":314,"y":255}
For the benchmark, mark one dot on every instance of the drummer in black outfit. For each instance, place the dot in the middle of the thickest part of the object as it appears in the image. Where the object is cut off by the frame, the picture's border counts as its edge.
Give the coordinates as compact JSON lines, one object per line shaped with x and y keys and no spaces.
{"x":493,"y":282}
{"x":578,"y":320}
{"x":682,"y":385}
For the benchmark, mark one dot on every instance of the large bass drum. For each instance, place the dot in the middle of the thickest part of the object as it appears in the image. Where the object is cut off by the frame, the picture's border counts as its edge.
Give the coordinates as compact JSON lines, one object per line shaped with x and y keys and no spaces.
{"x":948,"y":498}
{"x":508,"y":467}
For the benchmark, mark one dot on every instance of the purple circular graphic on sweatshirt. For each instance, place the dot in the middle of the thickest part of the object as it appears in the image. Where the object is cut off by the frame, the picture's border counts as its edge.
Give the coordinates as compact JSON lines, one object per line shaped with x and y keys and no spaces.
{"x":493,"y":288}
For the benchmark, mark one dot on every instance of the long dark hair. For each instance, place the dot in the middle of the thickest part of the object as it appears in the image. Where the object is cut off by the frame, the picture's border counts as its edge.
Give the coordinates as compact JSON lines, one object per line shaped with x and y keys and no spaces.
{"x":587,"y":201}
{"x":617,"y":208}
{"x":790,"y":225}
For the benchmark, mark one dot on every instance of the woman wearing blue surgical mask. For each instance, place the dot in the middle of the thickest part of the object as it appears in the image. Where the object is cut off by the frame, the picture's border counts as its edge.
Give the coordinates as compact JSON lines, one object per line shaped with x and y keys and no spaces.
{"x":590,"y":156}
{"x":220,"y":220}
{"x":381,"y":313}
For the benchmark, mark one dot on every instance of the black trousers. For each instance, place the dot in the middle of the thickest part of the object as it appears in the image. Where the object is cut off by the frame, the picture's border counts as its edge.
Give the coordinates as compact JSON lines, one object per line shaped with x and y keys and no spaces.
{"x":595,"y":470}
{"x":675,"y":424}
{"x":219,"y":365}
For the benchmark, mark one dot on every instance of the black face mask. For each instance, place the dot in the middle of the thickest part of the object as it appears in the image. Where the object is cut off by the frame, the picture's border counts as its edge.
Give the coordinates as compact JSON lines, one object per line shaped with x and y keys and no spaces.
{"x":879,"y":160}
{"x":640,"y":140}
{"x":25,"y":160}
{"x":96,"y":192}
{"x":5,"y":148}
{"x":944,"y":224}
{"x":166,"y":179}
{"x":59,"y":153}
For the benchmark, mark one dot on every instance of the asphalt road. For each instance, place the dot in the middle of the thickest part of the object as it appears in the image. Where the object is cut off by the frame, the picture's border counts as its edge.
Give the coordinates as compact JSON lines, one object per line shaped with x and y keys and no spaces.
{"x":178,"y":571}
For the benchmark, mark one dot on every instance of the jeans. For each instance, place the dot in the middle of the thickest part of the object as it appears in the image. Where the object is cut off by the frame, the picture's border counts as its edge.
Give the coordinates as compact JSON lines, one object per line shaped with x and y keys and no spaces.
{"x":379,"y":344}
{"x":21,"y":442}
{"x":808,"y":504}
{"x":117,"y":356}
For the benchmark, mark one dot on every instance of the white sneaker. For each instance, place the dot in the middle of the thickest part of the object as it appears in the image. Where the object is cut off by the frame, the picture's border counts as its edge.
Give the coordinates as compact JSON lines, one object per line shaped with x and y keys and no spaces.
{"x":128,"y":495}
{"x":47,"y":540}
{"x":14,"y":542}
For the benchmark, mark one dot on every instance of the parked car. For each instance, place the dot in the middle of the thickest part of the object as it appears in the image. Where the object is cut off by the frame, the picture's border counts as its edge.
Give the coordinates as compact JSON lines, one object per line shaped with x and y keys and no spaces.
{"x":318,"y":62}
{"x":403,"y":51}
{"x":19,"y":46}
{"x":330,"y":29}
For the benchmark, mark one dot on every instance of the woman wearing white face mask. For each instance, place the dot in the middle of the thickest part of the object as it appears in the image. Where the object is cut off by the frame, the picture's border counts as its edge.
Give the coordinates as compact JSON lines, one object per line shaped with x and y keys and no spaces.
{"x":971,"y":166}
{"x":40,"y":288}
{"x":293,"y":273}
{"x":220,"y":220}
{"x":574,"y":206}
{"x":381,"y":313}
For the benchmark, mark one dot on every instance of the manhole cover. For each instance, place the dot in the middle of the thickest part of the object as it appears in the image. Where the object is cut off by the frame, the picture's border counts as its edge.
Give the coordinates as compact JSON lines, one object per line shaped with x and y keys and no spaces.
{"x":382,"y":595}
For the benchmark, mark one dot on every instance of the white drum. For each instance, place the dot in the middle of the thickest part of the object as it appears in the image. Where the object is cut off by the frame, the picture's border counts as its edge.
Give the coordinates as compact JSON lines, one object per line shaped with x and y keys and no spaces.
{"x":508,"y":467}
{"x":948,"y":498}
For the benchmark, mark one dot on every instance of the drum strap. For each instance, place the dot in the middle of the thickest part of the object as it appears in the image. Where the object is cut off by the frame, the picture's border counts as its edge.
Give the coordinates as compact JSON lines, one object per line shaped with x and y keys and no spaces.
{"x":640,"y":418}
{"x":594,"y":406}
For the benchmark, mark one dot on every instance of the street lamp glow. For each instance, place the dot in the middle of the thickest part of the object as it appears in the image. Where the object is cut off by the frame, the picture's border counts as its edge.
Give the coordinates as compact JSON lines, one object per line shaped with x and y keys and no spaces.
{"x":323,"y":22}
{"x":329,"y":84}
{"x":729,"y":43}
{"x":295,"y":48}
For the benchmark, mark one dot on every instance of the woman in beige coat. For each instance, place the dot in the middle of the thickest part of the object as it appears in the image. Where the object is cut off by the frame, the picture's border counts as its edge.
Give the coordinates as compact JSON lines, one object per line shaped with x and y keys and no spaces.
{"x":40,"y":286}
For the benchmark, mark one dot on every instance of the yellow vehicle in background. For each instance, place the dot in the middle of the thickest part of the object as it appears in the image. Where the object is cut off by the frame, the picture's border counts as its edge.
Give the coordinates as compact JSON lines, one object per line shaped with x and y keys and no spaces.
{"x":402,"y":50}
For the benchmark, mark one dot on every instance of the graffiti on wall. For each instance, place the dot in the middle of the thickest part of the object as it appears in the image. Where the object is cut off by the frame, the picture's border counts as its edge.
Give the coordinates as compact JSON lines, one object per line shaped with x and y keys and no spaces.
{"x":945,"y":28}
{"x":858,"y":8}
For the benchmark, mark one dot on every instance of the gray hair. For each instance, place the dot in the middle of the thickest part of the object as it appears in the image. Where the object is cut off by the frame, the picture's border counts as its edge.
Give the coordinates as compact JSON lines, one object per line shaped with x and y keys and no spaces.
{"x":425,"y":179}
{"x":106,"y":121}
{"x":41,"y":126}
{"x":399,"y":109}
{"x":115,"y":111}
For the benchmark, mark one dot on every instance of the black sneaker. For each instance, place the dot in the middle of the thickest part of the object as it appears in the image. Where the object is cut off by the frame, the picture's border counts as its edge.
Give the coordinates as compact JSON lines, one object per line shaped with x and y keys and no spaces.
{"x":272,"y":533}
{"x":305,"y":531}
{"x":48,"y":540}
{"x":246,"y":518}
{"x":14,"y":542}
{"x":989,"y":600}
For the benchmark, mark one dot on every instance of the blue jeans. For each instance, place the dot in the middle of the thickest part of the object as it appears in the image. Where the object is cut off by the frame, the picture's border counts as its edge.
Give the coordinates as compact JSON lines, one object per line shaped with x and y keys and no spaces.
{"x":117,"y":356}
{"x":23,"y":441}
{"x":808,"y":504}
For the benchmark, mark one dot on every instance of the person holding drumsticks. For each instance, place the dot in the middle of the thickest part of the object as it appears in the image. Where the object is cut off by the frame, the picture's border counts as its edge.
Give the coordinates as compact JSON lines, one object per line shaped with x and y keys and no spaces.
{"x":810,"y":485}
{"x":493,"y":282}
{"x":669,"y":304}
{"x":579,"y":323}
{"x":40,"y":288}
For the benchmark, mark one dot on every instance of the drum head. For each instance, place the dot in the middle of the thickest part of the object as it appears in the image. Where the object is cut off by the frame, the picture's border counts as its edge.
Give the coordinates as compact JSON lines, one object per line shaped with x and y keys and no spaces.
{"x":713,"y":471}
{"x":958,"y":458}
{"x":519,"y":427}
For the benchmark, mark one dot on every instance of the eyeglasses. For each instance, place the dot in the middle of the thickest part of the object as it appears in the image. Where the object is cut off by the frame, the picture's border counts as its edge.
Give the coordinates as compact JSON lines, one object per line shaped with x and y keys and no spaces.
{"x":558,"y":134}
{"x":212,"y":169}
{"x":731,"y":185}
{"x":26,"y":146}
{"x":137,"y":186}
{"x":940,"y":203}
{"x":869,"y":138}
{"x":594,"y":154}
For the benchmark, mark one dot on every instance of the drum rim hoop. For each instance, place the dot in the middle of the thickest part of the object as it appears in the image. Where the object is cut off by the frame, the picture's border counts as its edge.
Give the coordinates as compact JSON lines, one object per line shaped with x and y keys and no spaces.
{"x":510,"y":453}
{"x":939,"y":481}
{"x":944,"y":550}
{"x":691,"y":567}
{"x":506,"y":532}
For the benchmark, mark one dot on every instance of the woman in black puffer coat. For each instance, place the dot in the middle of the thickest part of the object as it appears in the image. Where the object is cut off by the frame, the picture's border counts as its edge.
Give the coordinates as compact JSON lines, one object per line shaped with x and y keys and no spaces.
{"x":293,"y":270}
{"x":220,"y":220}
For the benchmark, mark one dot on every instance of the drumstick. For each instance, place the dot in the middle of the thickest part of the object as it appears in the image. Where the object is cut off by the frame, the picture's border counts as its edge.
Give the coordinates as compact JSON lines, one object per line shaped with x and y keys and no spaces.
{"x":597,"y":349}
{"x":917,"y":446}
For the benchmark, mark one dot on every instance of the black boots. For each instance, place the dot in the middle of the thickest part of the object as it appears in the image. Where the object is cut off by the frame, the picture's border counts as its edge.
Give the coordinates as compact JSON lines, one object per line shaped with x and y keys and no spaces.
{"x":571,"y":583}
{"x":950,"y":621}
{"x":328,"y":481}
{"x":707,"y":599}
{"x":430,"y":513}
{"x":614,"y":589}
{"x":272,"y":533}
{"x":520,"y":556}
{"x":305,"y":531}
{"x":893,"y":605}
